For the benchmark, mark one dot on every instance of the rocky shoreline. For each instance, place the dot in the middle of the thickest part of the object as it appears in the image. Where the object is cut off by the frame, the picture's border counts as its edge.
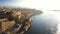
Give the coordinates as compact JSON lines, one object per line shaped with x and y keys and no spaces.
{"x":15,"y":21}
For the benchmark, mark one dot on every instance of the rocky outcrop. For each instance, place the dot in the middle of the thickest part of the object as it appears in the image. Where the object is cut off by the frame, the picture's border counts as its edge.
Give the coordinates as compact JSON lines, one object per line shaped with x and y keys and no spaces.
{"x":14,"y":21}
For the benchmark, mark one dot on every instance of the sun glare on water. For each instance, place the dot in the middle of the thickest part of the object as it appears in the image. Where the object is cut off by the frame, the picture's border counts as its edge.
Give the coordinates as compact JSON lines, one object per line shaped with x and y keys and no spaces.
{"x":45,"y":5}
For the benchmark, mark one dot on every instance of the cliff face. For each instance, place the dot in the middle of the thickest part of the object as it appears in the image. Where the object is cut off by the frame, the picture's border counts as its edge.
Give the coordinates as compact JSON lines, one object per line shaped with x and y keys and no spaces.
{"x":15,"y":21}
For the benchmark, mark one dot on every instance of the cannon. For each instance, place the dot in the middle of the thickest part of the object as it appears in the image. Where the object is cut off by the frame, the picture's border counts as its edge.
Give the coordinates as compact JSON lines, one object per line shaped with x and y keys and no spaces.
{"x":13,"y":21}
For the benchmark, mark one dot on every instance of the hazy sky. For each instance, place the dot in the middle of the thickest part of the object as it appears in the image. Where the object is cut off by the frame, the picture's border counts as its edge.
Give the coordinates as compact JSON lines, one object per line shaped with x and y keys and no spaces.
{"x":9,"y":0}
{"x":38,"y":4}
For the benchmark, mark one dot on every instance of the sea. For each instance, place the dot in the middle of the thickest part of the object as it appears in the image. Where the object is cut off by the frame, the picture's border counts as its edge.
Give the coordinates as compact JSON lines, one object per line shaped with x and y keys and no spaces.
{"x":46,"y":23}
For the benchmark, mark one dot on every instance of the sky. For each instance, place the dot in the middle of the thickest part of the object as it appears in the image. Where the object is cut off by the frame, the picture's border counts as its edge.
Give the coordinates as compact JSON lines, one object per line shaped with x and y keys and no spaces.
{"x":37,"y":4}
{"x":9,"y":0}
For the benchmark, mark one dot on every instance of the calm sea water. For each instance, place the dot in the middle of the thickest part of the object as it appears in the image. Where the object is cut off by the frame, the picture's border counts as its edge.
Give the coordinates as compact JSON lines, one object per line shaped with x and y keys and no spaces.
{"x":46,"y":23}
